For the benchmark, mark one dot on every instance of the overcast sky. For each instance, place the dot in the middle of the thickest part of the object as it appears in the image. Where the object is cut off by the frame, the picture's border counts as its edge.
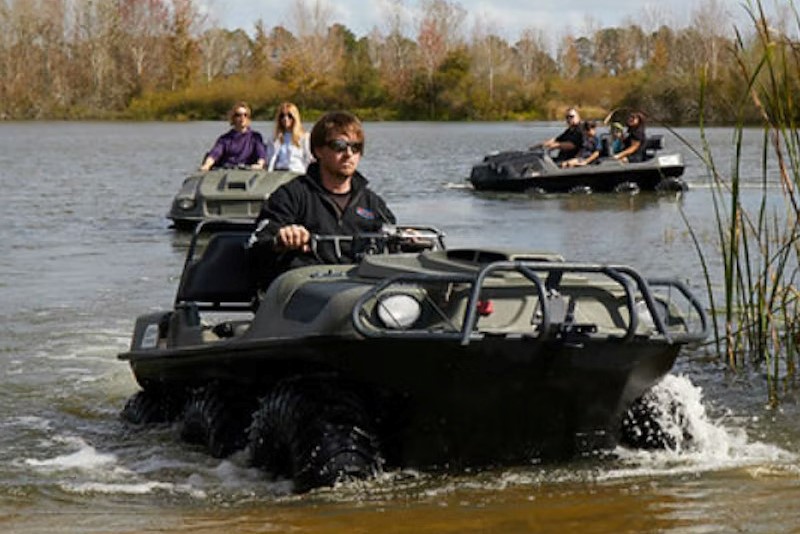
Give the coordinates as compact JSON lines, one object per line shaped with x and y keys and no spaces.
{"x":506,"y":17}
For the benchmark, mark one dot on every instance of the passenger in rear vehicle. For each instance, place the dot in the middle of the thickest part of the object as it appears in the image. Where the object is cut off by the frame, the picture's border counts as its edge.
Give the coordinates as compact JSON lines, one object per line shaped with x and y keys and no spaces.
{"x":590,"y":150}
{"x":240,"y":146}
{"x":290,"y":149}
{"x":634,"y":141}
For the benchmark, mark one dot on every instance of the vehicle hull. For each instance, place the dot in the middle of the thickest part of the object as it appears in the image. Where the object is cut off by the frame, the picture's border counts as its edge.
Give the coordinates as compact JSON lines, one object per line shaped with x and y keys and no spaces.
{"x":494,"y":401}
{"x":530,"y":171}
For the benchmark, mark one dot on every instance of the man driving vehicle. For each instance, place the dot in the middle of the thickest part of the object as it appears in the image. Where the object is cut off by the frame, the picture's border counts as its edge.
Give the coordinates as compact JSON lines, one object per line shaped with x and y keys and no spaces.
{"x":332,"y":198}
{"x":569,"y":142}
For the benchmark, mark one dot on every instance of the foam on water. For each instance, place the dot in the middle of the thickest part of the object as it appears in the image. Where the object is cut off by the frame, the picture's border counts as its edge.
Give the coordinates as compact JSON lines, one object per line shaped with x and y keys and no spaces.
{"x":142,"y":488}
{"x":458,"y":185}
{"x":83,"y":469}
{"x":85,"y":457}
{"x":26,"y":421}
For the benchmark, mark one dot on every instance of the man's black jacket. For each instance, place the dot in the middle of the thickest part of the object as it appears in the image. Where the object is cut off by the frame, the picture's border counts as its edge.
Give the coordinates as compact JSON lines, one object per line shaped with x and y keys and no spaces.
{"x":305,"y":201}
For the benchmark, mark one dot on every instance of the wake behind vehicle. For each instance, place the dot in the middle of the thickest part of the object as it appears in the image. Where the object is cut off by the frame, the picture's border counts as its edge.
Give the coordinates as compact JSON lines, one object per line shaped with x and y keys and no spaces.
{"x":224,"y":194}
{"x":535,"y":171}
{"x":436,"y":359}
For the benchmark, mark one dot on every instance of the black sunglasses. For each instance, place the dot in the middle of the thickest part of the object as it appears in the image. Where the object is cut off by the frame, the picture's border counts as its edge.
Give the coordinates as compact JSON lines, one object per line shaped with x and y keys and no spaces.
{"x":340,"y":145}
{"x":284,"y":115}
{"x":240,"y":114}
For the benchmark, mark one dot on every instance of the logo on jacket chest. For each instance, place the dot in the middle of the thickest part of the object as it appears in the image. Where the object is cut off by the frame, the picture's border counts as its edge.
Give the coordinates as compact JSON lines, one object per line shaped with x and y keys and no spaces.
{"x":365,"y":213}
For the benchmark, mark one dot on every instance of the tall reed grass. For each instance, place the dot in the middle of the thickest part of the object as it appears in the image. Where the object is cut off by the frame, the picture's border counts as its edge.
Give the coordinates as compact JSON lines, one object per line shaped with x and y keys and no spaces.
{"x":756,"y":309}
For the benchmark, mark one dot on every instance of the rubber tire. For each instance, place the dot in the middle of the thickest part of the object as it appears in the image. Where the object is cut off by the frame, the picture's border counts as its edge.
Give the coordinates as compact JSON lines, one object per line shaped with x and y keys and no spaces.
{"x":314,"y":433}
{"x":628,"y":188}
{"x":581,"y":190}
{"x":641,"y":429}
{"x":149,"y":406}
{"x":672,"y":185}
{"x":214,"y":422}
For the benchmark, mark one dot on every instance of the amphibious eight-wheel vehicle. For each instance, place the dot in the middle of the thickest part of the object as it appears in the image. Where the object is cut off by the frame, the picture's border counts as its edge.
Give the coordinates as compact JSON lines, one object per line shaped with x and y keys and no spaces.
{"x":436,"y":359}
{"x":535,"y":171}
{"x":224,"y":194}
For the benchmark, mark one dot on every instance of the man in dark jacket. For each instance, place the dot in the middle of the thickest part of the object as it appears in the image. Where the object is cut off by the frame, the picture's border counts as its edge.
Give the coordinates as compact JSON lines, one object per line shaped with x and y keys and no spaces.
{"x":332,"y":198}
{"x":569,"y":141}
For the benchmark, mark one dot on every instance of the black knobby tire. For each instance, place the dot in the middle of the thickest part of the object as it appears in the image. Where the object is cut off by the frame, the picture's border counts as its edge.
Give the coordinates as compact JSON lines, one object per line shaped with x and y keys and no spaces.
{"x":631,"y":188}
{"x":150,"y":406}
{"x":218,"y":423}
{"x":641,"y":426}
{"x":315,"y":433}
{"x":581,"y":190}
{"x":672,"y":185}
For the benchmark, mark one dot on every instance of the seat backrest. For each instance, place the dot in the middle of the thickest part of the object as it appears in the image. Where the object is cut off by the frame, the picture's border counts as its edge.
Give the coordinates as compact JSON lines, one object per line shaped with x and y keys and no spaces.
{"x":652,"y":144}
{"x":605,"y":145}
{"x":222,"y":277}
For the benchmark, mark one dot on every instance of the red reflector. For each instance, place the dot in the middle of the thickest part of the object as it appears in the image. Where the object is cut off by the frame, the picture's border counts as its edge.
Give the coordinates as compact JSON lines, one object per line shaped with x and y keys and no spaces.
{"x":485,"y":307}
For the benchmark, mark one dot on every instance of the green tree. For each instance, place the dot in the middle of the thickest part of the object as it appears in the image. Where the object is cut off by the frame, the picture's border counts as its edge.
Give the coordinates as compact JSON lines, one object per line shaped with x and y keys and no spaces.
{"x":362,"y":83}
{"x":451,"y":86}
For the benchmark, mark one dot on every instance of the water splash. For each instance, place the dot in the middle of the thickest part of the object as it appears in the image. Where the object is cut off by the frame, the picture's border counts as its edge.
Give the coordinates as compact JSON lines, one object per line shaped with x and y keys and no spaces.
{"x":696,"y":442}
{"x":458,"y":185}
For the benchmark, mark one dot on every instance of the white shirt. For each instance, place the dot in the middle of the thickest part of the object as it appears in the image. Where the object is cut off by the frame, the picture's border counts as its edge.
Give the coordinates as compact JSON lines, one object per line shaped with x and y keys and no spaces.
{"x":298,"y":156}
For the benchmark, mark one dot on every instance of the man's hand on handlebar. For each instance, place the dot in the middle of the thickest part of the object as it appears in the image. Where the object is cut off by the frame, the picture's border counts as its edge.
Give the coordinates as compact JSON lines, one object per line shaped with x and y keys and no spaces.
{"x":293,"y":237}
{"x":386,"y":240}
{"x":413,"y":240}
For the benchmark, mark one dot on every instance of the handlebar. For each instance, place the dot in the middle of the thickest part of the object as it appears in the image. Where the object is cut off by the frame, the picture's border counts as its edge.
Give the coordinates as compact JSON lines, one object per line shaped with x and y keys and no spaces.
{"x":388,"y":240}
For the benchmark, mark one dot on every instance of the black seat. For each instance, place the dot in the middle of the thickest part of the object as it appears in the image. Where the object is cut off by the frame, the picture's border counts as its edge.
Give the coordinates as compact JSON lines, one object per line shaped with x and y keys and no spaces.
{"x":222,"y":277}
{"x":605,"y":146}
{"x":653,"y":143}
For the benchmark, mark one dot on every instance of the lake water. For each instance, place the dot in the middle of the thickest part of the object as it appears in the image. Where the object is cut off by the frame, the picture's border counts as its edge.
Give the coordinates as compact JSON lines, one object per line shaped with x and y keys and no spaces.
{"x":86,"y":248}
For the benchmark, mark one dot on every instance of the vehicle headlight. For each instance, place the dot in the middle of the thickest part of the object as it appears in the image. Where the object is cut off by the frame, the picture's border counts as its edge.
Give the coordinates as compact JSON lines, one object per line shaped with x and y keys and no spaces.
{"x":186,"y":203}
{"x":150,"y":337}
{"x":398,"y":311}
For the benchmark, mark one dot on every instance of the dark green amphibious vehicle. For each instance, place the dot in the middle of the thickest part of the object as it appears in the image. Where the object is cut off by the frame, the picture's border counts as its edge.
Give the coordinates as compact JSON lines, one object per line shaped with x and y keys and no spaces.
{"x":435,"y":359}
{"x":224,"y":194}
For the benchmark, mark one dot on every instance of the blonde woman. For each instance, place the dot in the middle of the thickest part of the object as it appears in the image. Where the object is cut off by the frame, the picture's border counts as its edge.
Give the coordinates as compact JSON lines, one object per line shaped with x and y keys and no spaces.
{"x":241,"y":145}
{"x":290,"y":149}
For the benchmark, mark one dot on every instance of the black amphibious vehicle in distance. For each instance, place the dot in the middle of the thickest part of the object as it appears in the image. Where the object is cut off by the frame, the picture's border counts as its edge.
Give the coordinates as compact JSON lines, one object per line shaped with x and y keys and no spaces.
{"x":437,"y":359}
{"x":535,"y":171}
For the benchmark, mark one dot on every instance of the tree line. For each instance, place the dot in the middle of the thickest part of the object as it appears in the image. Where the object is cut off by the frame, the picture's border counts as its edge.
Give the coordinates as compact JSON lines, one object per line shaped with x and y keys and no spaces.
{"x":167,"y":59}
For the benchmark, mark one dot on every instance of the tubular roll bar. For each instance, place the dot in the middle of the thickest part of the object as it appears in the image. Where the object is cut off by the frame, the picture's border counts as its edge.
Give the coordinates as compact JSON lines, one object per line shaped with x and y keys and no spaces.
{"x":625,"y":276}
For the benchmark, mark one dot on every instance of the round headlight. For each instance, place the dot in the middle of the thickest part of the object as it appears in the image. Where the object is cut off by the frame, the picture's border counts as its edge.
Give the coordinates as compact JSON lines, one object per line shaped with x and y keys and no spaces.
{"x":399,"y":311}
{"x":186,"y":203}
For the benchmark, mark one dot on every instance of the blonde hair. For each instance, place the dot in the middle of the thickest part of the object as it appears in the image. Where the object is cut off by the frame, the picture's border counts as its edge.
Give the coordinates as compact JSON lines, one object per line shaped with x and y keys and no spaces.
{"x":297,"y":125}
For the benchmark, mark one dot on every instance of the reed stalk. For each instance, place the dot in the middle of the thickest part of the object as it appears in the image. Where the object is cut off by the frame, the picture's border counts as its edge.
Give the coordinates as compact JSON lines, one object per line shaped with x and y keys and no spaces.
{"x":757,"y":321}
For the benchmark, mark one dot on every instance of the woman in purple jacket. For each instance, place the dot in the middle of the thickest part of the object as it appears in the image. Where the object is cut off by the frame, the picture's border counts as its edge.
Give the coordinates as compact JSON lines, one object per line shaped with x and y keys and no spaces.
{"x":241,"y":145}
